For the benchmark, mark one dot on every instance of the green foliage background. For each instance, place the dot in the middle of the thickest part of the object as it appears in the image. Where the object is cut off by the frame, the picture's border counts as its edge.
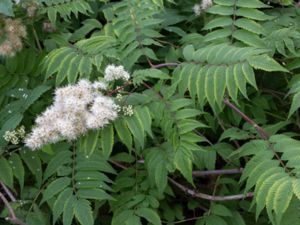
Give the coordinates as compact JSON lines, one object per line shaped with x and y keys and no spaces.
{"x":217,"y":91}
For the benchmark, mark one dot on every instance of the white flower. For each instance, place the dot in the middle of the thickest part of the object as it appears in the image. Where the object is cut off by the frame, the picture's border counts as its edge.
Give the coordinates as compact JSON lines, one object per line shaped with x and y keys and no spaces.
{"x":113,"y":72}
{"x":197,"y":9}
{"x":15,"y":136}
{"x":76,"y":109}
{"x":127,"y":110}
{"x":205,"y":4}
{"x":100,"y":85}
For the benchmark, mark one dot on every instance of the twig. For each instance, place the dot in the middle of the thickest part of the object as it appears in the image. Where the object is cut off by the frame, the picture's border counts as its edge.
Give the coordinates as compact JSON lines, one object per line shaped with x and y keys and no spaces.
{"x":8,"y":192}
{"x":110,"y":93}
{"x":37,"y":39}
{"x":118,"y":165}
{"x":183,"y":221}
{"x":163,"y":65}
{"x":11,"y":211}
{"x":196,"y":194}
{"x":264,"y":135}
{"x":197,"y":173}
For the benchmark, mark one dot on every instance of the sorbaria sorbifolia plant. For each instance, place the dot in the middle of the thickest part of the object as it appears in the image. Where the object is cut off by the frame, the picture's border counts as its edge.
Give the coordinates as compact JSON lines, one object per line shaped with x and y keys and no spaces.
{"x":137,"y":112}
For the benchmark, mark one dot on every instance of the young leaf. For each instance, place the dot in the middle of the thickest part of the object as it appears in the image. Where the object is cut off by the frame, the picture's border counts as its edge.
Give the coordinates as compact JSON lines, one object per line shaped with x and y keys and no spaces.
{"x":107,"y":140}
{"x":149,"y":214}
{"x":83,"y":212}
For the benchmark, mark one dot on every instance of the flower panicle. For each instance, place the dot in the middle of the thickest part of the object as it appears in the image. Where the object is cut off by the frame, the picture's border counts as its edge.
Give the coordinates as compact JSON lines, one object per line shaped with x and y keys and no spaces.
{"x":76,"y":109}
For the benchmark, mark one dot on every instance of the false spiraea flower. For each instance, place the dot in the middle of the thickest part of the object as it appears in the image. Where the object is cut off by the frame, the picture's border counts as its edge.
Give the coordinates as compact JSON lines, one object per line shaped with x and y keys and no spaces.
{"x":76,"y":109}
{"x":15,"y":136}
{"x":113,"y":72}
{"x":199,"y":8}
{"x":13,"y":31}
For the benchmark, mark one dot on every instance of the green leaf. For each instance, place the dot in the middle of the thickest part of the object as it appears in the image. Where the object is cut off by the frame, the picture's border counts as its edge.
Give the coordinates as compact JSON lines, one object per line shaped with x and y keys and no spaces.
{"x":251,"y":4}
{"x":149,"y":214}
{"x":17,"y":168}
{"x":33,"y":162}
{"x":55,"y":187}
{"x":295,"y":104}
{"x":221,"y":21}
{"x":250,"y":25}
{"x":220,"y":210}
{"x":60,"y":159}
{"x":296,"y":187}
{"x":136,"y":128}
{"x":60,"y":201}
{"x":107,"y":140}
{"x":90,"y":142}
{"x":283,"y":196}
{"x":68,"y":211}
{"x":133,"y":220}
{"x":6,"y":173}
{"x":188,"y":52}
{"x":83,"y":212}
{"x":94,"y":194}
{"x":265,"y":62}
{"x":6,"y":7}
{"x":123,"y":132}
{"x":183,"y":162}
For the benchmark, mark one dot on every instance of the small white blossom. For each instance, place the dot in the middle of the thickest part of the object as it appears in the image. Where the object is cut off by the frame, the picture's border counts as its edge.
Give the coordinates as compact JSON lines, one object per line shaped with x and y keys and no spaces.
{"x":113,"y":72}
{"x":15,"y":136}
{"x":127,"y":110}
{"x":76,"y":109}
{"x":119,"y":97}
{"x":100,"y":85}
{"x":197,"y":9}
{"x":205,"y":4}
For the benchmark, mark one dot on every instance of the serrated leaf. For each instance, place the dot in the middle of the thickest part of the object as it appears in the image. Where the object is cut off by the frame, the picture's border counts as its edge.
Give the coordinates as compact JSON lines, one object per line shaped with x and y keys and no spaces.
{"x":83,"y":212}
{"x":55,"y":187}
{"x":68,"y":211}
{"x":295,"y":104}
{"x":17,"y":168}
{"x":123,"y":132}
{"x":59,"y":203}
{"x":94,"y":194}
{"x":183,"y":162}
{"x":58,"y":160}
{"x":107,"y":140}
{"x":218,"y":22}
{"x":90,"y":142}
{"x":136,"y":128}
{"x":149,"y":214}
{"x":188,"y":52}
{"x":6,"y":174}
{"x":283,"y":196}
{"x":265,"y":62}
{"x":6,"y":7}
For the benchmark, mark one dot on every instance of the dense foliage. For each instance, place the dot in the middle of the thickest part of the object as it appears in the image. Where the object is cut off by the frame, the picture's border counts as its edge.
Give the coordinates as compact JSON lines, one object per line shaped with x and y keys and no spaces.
{"x":207,"y":130}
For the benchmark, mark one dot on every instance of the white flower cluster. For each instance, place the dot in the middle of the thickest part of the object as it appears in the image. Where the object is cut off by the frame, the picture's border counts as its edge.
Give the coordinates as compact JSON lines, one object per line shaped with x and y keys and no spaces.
{"x":15,"y":136}
{"x":113,"y":72}
{"x":205,"y":4}
{"x":76,"y":109}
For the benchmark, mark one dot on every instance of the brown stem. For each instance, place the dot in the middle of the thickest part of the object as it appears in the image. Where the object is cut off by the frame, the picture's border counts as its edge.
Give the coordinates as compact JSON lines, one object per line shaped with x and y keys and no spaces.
{"x":196,"y":194}
{"x":198,"y":173}
{"x":37,"y":39}
{"x":8,"y":192}
{"x":11,"y":211}
{"x":264,"y":135}
{"x":118,"y":165}
{"x":110,"y":93}
{"x":163,"y":65}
